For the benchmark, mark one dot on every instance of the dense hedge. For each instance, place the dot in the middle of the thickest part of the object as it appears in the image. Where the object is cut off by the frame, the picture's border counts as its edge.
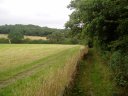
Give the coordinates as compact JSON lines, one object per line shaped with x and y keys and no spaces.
{"x":4,"y":41}
{"x":104,"y":23}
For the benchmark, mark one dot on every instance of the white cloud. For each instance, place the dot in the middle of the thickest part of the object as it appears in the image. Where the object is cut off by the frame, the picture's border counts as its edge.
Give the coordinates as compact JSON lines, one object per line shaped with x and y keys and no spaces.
{"x":51,"y":13}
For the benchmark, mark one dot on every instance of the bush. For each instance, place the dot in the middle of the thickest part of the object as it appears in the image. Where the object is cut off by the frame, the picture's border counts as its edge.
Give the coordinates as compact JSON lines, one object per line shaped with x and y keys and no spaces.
{"x":4,"y":41}
{"x":16,"y":35}
{"x":119,"y":64}
{"x":28,"y":41}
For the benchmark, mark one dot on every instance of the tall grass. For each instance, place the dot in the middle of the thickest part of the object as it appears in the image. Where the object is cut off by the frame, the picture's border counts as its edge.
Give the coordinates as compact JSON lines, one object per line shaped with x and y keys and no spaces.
{"x":59,"y":80}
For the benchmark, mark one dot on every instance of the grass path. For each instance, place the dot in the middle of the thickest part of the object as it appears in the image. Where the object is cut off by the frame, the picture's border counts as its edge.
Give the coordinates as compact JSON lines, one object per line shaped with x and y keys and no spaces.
{"x":92,"y":78}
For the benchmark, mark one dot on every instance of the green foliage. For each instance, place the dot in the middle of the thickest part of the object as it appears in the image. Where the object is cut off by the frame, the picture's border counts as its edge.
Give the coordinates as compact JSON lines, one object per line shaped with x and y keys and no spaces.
{"x":105,"y":25}
{"x":119,"y":64}
{"x":105,"y":19}
{"x":56,"y":37}
{"x":29,"y":30}
{"x":28,"y":41}
{"x":121,"y":44}
{"x":4,"y":41}
{"x":62,"y":38}
{"x":16,"y":35}
{"x":92,"y":78}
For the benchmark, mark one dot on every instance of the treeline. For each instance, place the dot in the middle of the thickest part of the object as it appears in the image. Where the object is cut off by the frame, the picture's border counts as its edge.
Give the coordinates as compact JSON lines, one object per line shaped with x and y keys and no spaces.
{"x":103,"y":24}
{"x":17,"y":32}
{"x":29,"y":30}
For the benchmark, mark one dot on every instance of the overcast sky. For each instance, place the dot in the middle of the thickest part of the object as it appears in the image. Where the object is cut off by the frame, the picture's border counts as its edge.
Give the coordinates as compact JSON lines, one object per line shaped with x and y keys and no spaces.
{"x":51,"y":13}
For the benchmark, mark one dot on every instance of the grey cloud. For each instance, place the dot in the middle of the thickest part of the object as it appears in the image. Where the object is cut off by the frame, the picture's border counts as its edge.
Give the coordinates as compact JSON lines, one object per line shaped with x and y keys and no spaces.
{"x":42,"y":14}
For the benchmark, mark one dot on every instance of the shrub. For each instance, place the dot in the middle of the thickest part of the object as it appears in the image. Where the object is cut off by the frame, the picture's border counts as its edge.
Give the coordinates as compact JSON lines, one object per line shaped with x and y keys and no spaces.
{"x":28,"y":41}
{"x":119,"y":64}
{"x":3,"y":41}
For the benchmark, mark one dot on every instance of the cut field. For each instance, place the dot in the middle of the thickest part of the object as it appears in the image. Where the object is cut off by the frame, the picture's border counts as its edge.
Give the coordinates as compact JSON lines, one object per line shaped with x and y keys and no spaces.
{"x":36,"y":70}
{"x":26,"y":37}
{"x":3,"y":36}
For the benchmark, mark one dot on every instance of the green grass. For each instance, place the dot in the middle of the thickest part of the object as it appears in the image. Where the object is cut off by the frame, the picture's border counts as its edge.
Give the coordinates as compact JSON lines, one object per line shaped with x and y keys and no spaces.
{"x":17,"y":58}
{"x":31,"y":70}
{"x":93,"y":78}
{"x":100,"y":77}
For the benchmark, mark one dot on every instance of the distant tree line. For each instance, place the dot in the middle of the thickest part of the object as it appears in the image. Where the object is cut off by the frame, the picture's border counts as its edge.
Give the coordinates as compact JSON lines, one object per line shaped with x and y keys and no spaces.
{"x":16,"y":34}
{"x":103,"y":24}
{"x":29,"y":30}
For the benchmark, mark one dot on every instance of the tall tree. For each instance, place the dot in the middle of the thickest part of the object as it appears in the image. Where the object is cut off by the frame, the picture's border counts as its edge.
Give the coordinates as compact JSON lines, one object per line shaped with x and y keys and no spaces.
{"x":105,"y":24}
{"x":16,"y":35}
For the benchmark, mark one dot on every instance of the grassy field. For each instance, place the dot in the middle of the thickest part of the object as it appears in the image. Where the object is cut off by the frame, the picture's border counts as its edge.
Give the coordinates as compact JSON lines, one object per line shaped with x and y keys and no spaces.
{"x":26,"y":37}
{"x":36,"y":70}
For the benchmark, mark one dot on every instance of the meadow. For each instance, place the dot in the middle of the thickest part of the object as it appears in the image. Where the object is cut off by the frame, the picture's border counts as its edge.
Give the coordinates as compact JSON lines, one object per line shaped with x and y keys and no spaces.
{"x":37,"y":70}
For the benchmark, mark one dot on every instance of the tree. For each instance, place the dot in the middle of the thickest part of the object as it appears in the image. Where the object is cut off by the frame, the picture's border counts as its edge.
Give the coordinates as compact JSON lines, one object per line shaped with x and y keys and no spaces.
{"x":56,"y":37}
{"x":105,"y":22}
{"x":29,"y":30}
{"x":16,"y":35}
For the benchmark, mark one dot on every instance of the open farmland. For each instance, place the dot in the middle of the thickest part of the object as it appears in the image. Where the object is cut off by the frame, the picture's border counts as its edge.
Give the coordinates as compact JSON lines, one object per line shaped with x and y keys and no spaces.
{"x":35,"y":37}
{"x":3,"y":36}
{"x":26,"y":37}
{"x":36,"y":70}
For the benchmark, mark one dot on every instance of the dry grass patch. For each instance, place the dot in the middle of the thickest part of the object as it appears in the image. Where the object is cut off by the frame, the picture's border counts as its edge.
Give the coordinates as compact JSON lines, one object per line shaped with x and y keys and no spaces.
{"x":26,"y":37}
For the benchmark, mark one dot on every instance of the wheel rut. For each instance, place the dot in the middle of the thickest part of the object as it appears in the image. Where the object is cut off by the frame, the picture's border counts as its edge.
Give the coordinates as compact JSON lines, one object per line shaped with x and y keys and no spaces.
{"x":29,"y":72}
{"x":21,"y":75}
